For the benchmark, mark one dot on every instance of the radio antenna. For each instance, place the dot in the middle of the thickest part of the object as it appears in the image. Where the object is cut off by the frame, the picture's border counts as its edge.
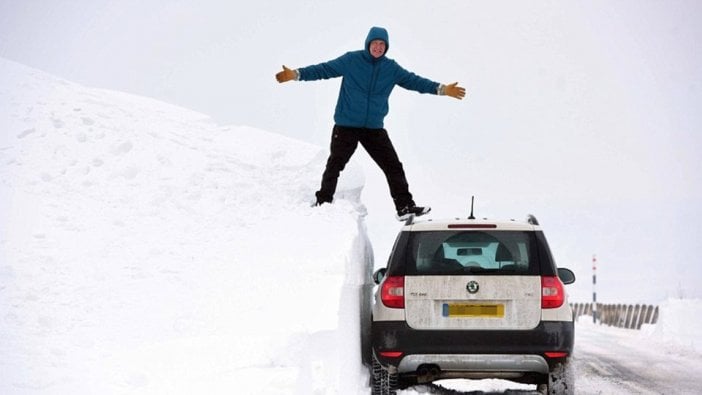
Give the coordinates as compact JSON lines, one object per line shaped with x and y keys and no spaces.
{"x":472,"y":200}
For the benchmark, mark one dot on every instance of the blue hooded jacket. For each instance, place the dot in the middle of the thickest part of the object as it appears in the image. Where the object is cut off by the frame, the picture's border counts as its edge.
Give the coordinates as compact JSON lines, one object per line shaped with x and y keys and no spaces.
{"x":367,"y":83}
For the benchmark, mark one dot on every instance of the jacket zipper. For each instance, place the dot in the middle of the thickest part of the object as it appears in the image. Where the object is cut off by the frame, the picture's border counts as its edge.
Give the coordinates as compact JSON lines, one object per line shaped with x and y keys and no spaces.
{"x":374,"y":78}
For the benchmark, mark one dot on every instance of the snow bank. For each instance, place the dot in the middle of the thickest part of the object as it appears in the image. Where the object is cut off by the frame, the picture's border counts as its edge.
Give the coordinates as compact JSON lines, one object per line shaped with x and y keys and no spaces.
{"x":144,"y":249}
{"x":679,"y":324}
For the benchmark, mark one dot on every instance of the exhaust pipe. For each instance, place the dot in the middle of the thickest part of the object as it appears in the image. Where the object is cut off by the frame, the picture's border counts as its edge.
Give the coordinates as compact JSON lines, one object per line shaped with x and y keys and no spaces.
{"x":428,"y":373}
{"x":435,"y":372}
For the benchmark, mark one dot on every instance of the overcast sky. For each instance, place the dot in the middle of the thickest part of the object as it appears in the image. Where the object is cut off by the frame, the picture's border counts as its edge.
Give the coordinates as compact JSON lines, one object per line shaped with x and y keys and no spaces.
{"x":586,"y":114}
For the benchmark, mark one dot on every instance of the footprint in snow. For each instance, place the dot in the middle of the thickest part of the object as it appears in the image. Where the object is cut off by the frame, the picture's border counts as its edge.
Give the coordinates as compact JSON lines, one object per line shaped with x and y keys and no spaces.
{"x":130,"y":173}
{"x":122,"y":148}
{"x":26,"y":133}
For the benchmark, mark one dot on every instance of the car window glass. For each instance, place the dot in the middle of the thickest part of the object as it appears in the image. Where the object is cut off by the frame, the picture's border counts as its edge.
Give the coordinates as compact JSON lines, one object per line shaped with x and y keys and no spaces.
{"x":472,"y":252}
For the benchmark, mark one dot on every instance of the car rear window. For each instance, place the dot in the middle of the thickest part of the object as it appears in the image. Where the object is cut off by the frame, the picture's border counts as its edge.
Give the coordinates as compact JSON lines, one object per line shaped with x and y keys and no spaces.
{"x":472,"y":252}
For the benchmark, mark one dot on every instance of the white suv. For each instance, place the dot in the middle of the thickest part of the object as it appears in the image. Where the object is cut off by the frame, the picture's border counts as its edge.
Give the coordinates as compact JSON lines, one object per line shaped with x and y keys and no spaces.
{"x":470,"y":298}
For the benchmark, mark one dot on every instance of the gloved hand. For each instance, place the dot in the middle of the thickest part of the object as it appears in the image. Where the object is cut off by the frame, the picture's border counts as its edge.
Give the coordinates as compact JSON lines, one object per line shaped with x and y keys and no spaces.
{"x":286,"y":75}
{"x":454,"y":90}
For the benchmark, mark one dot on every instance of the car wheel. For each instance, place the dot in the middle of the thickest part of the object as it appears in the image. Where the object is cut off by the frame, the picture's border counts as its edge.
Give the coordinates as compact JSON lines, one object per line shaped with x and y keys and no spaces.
{"x":561,"y":380}
{"x":383,"y":382}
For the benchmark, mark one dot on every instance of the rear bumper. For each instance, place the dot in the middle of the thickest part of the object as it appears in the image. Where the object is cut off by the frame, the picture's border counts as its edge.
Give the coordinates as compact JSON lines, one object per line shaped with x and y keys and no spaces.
{"x":472,"y":350}
{"x":488,"y":364}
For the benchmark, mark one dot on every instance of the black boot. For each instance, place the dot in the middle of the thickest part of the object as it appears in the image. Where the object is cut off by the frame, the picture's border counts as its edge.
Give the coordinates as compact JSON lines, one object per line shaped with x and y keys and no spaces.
{"x":404,"y":213}
{"x":321,"y":199}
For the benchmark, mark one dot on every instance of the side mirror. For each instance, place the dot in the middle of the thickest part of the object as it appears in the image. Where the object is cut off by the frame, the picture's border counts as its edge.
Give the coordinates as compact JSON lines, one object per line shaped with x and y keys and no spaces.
{"x":379,"y":275}
{"x":566,"y":275}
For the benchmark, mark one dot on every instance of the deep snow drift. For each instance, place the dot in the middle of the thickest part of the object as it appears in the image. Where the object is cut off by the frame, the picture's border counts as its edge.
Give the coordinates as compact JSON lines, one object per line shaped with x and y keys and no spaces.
{"x":144,"y":249}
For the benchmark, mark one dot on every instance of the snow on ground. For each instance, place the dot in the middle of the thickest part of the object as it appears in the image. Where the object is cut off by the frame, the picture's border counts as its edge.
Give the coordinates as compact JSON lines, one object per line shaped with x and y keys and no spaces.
{"x":145,"y":249}
{"x":679,"y":324}
{"x":615,"y":360}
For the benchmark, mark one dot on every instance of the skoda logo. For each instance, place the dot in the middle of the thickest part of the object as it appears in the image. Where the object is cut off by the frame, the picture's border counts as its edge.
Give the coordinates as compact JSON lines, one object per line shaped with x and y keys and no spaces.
{"x":473,"y":287}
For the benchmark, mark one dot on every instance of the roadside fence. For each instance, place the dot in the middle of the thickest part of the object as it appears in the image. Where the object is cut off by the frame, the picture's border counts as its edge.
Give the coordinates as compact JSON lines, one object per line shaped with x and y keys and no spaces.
{"x":619,"y":315}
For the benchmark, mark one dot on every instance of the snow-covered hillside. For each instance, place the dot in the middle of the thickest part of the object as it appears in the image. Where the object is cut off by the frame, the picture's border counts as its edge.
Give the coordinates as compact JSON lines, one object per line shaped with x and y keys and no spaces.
{"x":145,"y":249}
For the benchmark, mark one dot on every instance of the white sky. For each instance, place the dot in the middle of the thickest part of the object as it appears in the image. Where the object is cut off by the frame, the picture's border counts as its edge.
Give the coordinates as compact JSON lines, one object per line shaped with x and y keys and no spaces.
{"x":586,"y":114}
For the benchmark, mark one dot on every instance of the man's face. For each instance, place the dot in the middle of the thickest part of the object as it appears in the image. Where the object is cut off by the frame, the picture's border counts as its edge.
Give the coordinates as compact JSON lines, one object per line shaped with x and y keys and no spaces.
{"x":377,"y":48}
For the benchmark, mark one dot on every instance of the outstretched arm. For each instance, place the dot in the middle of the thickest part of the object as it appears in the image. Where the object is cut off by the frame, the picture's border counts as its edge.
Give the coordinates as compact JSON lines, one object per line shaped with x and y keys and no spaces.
{"x":409,"y":80}
{"x":331,"y":69}
{"x":287,"y":75}
{"x":452,"y":90}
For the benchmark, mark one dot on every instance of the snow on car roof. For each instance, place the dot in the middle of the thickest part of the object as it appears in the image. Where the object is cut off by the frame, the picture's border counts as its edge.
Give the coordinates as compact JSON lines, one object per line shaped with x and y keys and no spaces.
{"x":469,"y":224}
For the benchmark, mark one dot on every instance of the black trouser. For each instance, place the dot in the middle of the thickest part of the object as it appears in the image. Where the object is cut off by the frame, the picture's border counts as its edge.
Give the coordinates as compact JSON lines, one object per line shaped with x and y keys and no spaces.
{"x":378,"y":145}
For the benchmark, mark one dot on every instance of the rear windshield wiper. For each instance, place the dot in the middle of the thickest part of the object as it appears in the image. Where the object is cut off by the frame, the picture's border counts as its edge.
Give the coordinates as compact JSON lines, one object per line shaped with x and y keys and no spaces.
{"x":477,"y":269}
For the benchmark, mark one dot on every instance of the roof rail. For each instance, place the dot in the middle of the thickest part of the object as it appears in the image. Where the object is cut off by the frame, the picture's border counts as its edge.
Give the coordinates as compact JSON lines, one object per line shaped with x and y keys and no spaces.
{"x":532,"y":220}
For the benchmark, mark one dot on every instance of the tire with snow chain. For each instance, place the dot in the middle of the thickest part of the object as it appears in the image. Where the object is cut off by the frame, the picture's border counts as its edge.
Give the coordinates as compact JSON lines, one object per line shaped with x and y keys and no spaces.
{"x":561,"y":380}
{"x":382,"y":381}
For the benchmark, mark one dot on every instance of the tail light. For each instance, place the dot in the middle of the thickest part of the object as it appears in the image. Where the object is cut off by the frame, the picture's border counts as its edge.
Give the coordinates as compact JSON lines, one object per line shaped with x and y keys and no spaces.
{"x":552,"y":293}
{"x":392,"y":292}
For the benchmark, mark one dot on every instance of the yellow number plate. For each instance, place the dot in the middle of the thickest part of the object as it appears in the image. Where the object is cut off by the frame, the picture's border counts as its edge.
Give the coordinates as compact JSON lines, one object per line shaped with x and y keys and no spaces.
{"x":473,"y":310}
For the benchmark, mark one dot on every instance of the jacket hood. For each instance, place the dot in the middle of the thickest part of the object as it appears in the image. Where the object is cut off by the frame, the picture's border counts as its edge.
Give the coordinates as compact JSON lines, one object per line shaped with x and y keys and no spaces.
{"x":377,"y":33}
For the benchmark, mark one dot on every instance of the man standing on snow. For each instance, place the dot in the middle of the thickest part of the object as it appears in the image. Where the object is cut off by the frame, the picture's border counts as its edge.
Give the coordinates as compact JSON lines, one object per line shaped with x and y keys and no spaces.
{"x":368,"y":79}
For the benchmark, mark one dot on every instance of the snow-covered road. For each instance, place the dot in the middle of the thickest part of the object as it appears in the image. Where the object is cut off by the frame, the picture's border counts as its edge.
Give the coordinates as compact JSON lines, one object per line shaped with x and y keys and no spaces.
{"x":610,"y":360}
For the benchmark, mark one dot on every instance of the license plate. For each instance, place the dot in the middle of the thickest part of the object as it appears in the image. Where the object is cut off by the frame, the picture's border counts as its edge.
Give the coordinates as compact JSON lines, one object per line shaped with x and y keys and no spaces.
{"x":473,"y":310}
